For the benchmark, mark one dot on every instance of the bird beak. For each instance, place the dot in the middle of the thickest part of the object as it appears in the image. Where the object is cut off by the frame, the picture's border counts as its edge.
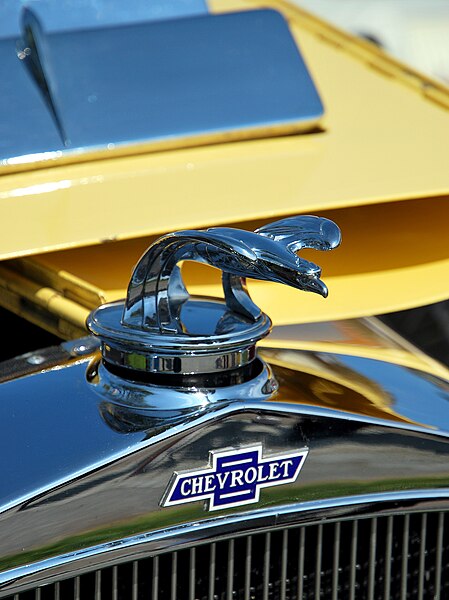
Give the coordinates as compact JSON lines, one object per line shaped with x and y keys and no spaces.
{"x":313,"y":284}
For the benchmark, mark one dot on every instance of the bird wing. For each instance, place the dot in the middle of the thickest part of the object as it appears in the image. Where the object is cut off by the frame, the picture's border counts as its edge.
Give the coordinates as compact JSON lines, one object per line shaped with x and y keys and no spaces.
{"x":303,"y":232}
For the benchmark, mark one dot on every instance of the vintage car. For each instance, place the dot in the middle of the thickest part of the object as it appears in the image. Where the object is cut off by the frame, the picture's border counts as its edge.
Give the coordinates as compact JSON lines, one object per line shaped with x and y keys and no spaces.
{"x":149,"y":166}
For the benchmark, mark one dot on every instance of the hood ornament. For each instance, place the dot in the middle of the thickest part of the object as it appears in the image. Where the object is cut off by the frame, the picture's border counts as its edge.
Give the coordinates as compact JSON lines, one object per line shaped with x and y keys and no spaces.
{"x":161,"y":329}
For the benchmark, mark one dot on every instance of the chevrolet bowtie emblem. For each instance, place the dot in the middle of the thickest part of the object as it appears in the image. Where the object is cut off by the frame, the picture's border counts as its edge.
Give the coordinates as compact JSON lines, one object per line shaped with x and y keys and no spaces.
{"x":234,"y":477}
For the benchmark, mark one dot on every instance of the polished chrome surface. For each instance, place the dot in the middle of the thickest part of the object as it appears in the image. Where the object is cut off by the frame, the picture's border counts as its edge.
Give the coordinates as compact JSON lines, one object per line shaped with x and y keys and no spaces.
{"x":364,"y":531}
{"x":156,"y":291}
{"x":98,"y":478}
{"x":164,"y":330}
{"x":129,"y":405}
{"x":355,"y":385}
{"x":252,"y":81}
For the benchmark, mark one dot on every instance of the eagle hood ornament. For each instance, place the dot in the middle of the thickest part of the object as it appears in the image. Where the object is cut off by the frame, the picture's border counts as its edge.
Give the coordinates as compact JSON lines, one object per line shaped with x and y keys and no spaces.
{"x":174,"y":332}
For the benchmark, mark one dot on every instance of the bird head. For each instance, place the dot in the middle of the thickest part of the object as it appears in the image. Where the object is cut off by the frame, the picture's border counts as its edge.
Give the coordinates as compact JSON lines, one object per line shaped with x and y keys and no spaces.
{"x":290,"y":235}
{"x":293,"y":271}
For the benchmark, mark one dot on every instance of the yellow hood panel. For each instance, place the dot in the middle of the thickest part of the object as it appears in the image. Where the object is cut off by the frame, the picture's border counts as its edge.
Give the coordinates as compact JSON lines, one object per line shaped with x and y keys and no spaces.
{"x":384,"y":140}
{"x":393,"y":256}
{"x":380,"y":169}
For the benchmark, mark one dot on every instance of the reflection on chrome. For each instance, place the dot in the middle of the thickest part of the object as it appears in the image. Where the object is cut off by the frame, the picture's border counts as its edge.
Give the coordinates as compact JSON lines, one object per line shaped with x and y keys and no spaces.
{"x":161,"y":329}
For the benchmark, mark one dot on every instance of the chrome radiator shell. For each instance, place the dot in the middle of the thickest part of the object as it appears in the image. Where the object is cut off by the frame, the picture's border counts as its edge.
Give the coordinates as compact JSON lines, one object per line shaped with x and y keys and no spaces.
{"x":113,"y":465}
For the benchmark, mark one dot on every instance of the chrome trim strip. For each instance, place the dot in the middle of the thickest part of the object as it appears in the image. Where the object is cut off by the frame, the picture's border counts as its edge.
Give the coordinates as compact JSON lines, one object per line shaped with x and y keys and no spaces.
{"x":175,"y":538}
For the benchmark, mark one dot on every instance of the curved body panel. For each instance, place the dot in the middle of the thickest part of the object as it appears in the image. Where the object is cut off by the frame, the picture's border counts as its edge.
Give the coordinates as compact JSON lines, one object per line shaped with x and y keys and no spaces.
{"x":101,"y":475}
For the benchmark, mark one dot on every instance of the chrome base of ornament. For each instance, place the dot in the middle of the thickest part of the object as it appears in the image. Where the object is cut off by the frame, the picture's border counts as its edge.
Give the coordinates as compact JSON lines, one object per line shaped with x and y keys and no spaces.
{"x":132,"y":405}
{"x":222,"y":341}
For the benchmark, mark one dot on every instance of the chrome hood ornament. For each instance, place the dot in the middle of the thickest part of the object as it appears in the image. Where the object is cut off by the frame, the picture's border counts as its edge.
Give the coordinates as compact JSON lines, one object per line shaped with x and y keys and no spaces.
{"x":161,"y":329}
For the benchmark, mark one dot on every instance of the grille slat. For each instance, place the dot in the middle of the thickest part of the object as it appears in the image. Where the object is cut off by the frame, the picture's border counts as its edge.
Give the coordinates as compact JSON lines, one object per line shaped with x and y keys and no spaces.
{"x":388,"y":556}
{"x":422,"y":557}
{"x":248,"y":560}
{"x":302,"y":547}
{"x":97,"y":586}
{"x":266,"y":567}
{"x":174,"y":575}
{"x":135,"y":583}
{"x":439,"y":556}
{"x":192,"y":574}
{"x":230,"y":584}
{"x":155,"y":582}
{"x":372,"y":559}
{"x":319,"y":550}
{"x":400,"y":557}
{"x":284,"y":563}
{"x":336,"y":564}
{"x":77,"y":590}
{"x":213,"y":554}
{"x":404,"y":570}
{"x":352,"y":581}
{"x":114,"y":583}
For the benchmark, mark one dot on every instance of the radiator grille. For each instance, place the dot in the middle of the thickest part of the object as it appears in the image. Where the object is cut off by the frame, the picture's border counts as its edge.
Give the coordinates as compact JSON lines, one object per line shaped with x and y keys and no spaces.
{"x":401,"y":557}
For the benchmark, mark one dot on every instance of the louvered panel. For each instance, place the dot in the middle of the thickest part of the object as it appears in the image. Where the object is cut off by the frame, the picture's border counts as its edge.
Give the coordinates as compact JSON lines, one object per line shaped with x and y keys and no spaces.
{"x":401,"y":557}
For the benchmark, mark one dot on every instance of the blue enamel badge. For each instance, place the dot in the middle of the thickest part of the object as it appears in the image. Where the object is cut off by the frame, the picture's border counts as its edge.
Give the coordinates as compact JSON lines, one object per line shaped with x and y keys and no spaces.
{"x":234,"y":477}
